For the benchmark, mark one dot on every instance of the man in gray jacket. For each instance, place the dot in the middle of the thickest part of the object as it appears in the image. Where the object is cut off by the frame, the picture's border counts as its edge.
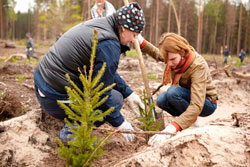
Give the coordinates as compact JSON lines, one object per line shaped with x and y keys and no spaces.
{"x":73,"y":50}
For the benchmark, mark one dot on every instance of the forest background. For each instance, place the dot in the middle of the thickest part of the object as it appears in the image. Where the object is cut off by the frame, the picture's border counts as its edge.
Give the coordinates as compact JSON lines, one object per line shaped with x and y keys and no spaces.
{"x":208,"y":25}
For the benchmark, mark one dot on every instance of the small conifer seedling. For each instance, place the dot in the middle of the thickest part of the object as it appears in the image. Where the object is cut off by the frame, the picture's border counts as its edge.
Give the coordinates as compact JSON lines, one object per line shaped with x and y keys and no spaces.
{"x":147,"y":122}
{"x":83,"y":112}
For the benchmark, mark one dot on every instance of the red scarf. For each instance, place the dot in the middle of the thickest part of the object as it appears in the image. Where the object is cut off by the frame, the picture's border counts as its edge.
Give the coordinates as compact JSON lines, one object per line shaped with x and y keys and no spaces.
{"x":182,"y":66}
{"x":177,"y":72}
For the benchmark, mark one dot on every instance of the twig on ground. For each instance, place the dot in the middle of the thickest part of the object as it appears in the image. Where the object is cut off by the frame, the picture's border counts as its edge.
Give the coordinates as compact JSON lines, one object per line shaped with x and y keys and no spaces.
{"x":3,"y":83}
{"x":224,"y":69}
{"x":28,"y":86}
{"x":240,"y":75}
{"x":133,"y":132}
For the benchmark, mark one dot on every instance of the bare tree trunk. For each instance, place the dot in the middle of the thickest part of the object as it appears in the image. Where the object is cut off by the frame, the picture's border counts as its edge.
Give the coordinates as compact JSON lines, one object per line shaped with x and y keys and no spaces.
{"x":177,"y":19}
{"x":143,"y":5}
{"x":186,"y":26}
{"x":36,"y":23}
{"x":180,"y":14}
{"x":169,"y":14}
{"x":239,"y":31}
{"x":13,"y":28}
{"x":152,"y":23}
{"x":1,"y":19}
{"x":29,"y":21}
{"x":201,"y":31}
{"x":6,"y":28}
{"x":89,"y":9}
{"x":198,"y":44}
{"x":157,"y":21}
{"x":246,"y":32}
{"x":83,"y":10}
{"x":215,"y":35}
{"x":205,"y":35}
{"x":230,"y":22}
{"x":231,"y":44}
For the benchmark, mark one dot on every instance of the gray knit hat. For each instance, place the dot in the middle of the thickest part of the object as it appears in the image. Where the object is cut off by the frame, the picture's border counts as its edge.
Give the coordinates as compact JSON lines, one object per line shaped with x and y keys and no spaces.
{"x":131,"y":17}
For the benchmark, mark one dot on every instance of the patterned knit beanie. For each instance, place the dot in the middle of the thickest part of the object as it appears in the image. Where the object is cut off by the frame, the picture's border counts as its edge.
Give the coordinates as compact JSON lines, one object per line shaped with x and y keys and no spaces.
{"x":131,"y":17}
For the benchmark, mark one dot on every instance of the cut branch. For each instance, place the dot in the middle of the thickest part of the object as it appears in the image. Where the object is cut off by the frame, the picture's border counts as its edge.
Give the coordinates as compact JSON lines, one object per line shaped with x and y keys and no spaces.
{"x":31,"y":87}
{"x":133,"y":132}
{"x":224,"y":69}
{"x":240,"y":75}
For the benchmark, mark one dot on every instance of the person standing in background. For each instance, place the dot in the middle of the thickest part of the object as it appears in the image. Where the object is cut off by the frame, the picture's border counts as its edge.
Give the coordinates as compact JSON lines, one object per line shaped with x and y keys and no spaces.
{"x":242,"y":55}
{"x":102,"y":8}
{"x":29,"y":46}
{"x":226,"y":54}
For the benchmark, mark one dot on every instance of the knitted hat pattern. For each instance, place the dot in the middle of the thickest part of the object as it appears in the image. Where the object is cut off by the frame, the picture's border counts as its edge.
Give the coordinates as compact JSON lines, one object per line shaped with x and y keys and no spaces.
{"x":131,"y":17}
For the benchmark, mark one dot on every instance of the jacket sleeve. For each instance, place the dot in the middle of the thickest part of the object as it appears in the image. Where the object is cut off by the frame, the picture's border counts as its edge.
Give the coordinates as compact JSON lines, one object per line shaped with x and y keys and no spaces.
{"x":148,"y":48}
{"x":108,"y":52}
{"x":197,"y":100}
{"x":121,"y":86}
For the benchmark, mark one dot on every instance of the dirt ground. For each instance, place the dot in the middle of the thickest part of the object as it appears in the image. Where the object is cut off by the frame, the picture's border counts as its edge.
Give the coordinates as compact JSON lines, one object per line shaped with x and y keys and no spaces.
{"x":27,"y":136}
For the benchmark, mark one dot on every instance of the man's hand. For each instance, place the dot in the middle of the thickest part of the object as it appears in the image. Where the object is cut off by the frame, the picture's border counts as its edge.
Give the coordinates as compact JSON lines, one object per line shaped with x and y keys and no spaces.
{"x":127,"y":126}
{"x":162,"y":138}
{"x":135,"y":103}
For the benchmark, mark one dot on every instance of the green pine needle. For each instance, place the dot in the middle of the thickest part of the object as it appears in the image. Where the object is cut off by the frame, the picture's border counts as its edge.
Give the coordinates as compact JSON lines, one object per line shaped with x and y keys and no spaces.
{"x":84,"y":148}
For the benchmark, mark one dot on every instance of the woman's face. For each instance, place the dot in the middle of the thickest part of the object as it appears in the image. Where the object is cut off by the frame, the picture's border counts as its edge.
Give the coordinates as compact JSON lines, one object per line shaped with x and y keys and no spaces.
{"x":127,"y":36}
{"x":173,"y":59}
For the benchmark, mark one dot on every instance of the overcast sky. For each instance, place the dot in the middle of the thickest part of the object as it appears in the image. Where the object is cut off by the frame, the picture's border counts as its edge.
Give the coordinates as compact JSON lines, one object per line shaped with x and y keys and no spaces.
{"x":24,"y":5}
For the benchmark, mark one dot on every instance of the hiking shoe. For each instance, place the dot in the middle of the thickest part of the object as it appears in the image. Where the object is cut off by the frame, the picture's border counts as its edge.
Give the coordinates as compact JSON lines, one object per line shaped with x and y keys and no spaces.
{"x":64,"y":133}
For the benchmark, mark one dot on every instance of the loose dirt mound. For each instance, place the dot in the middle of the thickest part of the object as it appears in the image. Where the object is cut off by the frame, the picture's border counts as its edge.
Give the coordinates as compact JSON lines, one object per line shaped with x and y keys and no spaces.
{"x":10,"y":106}
{"x":207,"y":146}
{"x":22,"y":142}
{"x":13,"y":68}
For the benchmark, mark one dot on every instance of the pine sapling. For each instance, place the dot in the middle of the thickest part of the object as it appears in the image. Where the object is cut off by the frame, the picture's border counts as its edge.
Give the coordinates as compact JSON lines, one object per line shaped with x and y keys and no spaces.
{"x":83,"y":112}
{"x":147,"y":122}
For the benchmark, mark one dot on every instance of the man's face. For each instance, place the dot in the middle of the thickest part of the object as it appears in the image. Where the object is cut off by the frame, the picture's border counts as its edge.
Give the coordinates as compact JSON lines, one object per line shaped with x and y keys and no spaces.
{"x":173,"y":59}
{"x":127,"y":36}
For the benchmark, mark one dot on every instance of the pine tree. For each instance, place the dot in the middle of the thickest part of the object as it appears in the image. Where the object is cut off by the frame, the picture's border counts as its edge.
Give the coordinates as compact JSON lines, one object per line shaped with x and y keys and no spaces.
{"x":147,"y":122}
{"x":84,"y":148}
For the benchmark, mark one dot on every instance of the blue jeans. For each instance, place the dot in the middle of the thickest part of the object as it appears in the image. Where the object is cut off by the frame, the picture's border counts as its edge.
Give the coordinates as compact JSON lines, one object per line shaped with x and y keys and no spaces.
{"x":241,"y":58}
{"x":51,"y":107}
{"x":225,"y":59}
{"x":176,"y":100}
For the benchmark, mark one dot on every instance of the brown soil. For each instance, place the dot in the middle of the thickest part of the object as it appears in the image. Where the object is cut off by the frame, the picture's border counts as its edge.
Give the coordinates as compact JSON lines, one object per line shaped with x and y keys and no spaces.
{"x":29,"y":140}
{"x":10,"y":106}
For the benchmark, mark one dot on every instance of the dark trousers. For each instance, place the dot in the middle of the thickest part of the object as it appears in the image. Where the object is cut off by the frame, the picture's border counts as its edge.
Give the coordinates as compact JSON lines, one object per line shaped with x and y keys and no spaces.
{"x":29,"y":53}
{"x":51,"y":107}
{"x":176,"y":100}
